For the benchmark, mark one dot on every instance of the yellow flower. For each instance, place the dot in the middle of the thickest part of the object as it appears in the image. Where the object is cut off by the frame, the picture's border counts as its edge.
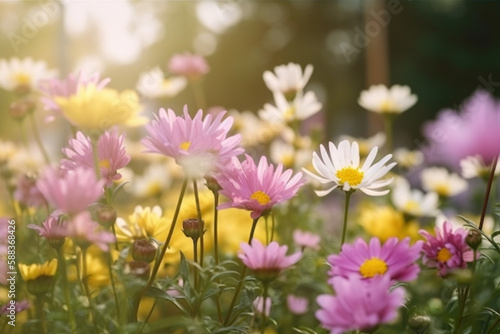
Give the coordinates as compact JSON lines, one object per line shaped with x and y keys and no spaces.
{"x":93,"y":108}
{"x":33,"y":271}
{"x":385,"y":222}
{"x":143,"y":223}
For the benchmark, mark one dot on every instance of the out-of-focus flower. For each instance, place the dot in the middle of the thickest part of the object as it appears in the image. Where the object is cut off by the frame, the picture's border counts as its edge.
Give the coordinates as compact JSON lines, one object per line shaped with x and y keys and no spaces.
{"x":54,"y":87}
{"x":85,"y":232}
{"x":258,"y":305}
{"x":23,"y":75}
{"x":301,"y":107}
{"x":189,"y":65}
{"x":153,"y":84}
{"x":200,"y":146}
{"x":7,"y":151}
{"x":474,"y":131}
{"x":34,"y":271}
{"x":341,"y":168}
{"x":27,"y":193}
{"x":394,"y":258}
{"x":289,"y":155}
{"x":394,"y":100}
{"x":473,"y":166}
{"x":18,"y":307}
{"x":446,"y":250}
{"x":257,"y":188}
{"x":253,"y":130}
{"x":4,"y":232}
{"x":143,"y":223}
{"x":288,"y":79}
{"x":297,"y":305}
{"x":385,"y":222}
{"x":71,"y":192}
{"x":442,"y":182}
{"x":367,"y":144}
{"x":413,"y":201}
{"x":92,"y":108}
{"x":306,"y":239}
{"x":110,"y":151}
{"x":267,"y":261}
{"x":51,"y":230}
{"x":153,"y":182}
{"x":359,"y":304}
{"x":408,"y":159}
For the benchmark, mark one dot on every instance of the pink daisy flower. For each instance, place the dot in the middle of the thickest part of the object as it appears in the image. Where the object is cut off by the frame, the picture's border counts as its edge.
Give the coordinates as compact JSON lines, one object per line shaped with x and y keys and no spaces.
{"x":199,"y":145}
{"x":359,"y":304}
{"x":53,"y":88}
{"x":297,"y":305}
{"x":395,"y":259}
{"x":51,"y":230}
{"x":257,"y":188}
{"x":305,"y":239}
{"x":71,"y":192}
{"x":27,"y":192}
{"x":446,"y":250}
{"x":110,"y":149}
{"x":266,"y":261}
{"x":258,"y":305}
{"x":86,"y":232}
{"x":188,"y":65}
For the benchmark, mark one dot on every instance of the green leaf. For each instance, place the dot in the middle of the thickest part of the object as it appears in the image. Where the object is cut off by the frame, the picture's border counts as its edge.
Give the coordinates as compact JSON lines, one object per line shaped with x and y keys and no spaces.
{"x":160,"y":294}
{"x":117,"y":190}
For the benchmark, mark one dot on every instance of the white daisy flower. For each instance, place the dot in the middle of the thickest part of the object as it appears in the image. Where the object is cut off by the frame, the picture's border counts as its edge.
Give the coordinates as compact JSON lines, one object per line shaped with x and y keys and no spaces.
{"x":340,"y":167}
{"x":23,"y":75}
{"x":473,"y":166}
{"x":367,"y":144}
{"x":301,"y":107}
{"x":413,"y":201}
{"x":381,"y":99}
{"x":442,"y":182}
{"x":289,"y":155}
{"x":153,"y":84}
{"x":408,"y":159}
{"x":253,"y":130}
{"x":288,"y":79}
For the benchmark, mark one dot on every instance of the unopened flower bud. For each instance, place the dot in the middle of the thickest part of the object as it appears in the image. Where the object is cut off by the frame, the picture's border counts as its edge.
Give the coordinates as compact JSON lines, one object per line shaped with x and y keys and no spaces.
{"x":212,"y":184}
{"x":474,"y":239}
{"x":104,"y":215}
{"x":419,"y":323}
{"x":192,"y":229}
{"x":139,"y":269}
{"x":18,"y":110}
{"x":143,"y":250}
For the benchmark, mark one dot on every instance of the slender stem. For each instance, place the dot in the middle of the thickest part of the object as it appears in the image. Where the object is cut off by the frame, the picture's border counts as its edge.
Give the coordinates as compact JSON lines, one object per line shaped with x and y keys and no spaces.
{"x":201,"y":226}
{"x":488,"y":190}
{"x":462,"y":299}
{"x":242,"y":277}
{"x":272,"y":227}
{"x":67,"y":295}
{"x":264,"y":315}
{"x":267,"y":230}
{"x":149,"y":316}
{"x":389,"y":122}
{"x":494,"y":326}
{"x":83,"y":256}
{"x":163,"y":249}
{"x":195,"y":258}
{"x":95,"y":154}
{"x":113,"y":288}
{"x":346,"y":213}
{"x":216,"y":220}
{"x":36,"y":134}
{"x":40,"y":313}
{"x":23,"y":135}
{"x":199,"y":96}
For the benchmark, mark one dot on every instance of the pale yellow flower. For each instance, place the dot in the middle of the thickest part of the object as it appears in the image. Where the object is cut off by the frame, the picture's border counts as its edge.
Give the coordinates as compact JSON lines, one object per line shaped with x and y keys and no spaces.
{"x":143,"y":223}
{"x":381,"y":99}
{"x":31,"y":272}
{"x":23,"y":75}
{"x":94,"y":108}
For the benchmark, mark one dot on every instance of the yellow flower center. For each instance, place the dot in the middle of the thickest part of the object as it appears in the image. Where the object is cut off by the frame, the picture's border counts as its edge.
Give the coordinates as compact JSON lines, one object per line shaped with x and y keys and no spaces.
{"x":387,"y":106}
{"x":22,"y":79}
{"x":412,"y":207}
{"x":442,"y":190}
{"x":185,"y":145}
{"x":104,"y":163}
{"x":372,"y":267}
{"x":261,"y":197}
{"x":289,"y":113}
{"x":444,"y":255}
{"x":353,"y":176}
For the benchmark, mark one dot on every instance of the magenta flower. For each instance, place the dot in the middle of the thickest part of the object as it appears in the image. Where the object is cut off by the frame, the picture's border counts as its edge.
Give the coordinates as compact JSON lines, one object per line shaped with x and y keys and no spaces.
{"x":188,"y":65}
{"x":446,"y":250}
{"x":297,"y":305}
{"x":267,"y":261}
{"x":18,"y":307}
{"x":53,"y":88}
{"x":257,"y":188}
{"x":359,"y":304}
{"x":85,"y":232}
{"x":111,"y":152}
{"x":258,"y":305}
{"x":474,"y":131}
{"x":305,"y":239}
{"x":51,"y":230}
{"x":71,"y":192}
{"x":27,"y":192}
{"x":395,"y":259}
{"x":199,"y":145}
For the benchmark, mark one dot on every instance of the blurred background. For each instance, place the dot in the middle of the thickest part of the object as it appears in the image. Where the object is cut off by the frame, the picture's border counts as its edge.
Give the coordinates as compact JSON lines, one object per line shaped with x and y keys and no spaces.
{"x":442,"y":49}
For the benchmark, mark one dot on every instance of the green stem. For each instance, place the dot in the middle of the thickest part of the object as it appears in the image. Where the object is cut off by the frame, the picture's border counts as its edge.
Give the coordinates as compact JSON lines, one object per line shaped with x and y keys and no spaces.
{"x":36,"y":134}
{"x":264,"y":315}
{"x":216,"y":220}
{"x":201,"y":226}
{"x":162,"y":252}
{"x":95,"y":154}
{"x":242,"y":278}
{"x":346,"y":213}
{"x":389,"y":122}
{"x":195,"y":258}
{"x":67,"y":295}
{"x":199,"y":96}
{"x":272,"y":227}
{"x":462,"y":296}
{"x":40,"y":313}
{"x":488,"y":191}
{"x":267,"y":230}
{"x":113,"y":288}
{"x":149,"y":316}
{"x":83,"y":256}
